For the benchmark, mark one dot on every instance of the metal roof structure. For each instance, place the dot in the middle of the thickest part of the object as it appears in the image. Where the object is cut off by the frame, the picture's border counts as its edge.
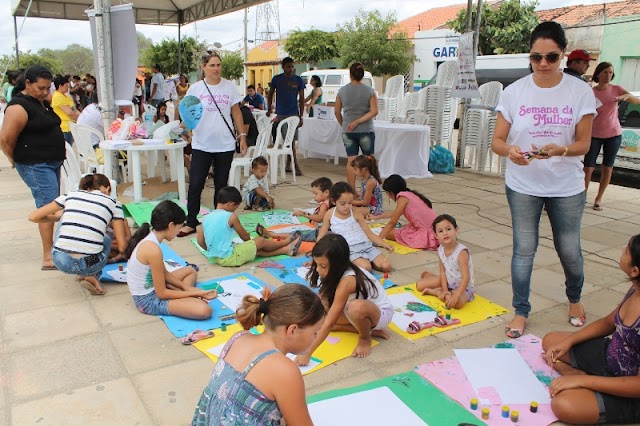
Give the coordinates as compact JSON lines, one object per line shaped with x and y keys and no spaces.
{"x":150,"y":12}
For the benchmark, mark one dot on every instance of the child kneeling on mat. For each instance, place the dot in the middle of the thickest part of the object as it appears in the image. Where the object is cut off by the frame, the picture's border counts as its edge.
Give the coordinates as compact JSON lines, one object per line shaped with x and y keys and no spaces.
{"x":600,"y":364}
{"x":219,"y":227}
{"x":155,"y":290}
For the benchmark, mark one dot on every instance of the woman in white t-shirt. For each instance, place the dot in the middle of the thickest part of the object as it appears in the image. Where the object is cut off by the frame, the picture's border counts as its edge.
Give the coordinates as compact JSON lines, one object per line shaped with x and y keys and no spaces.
{"x":543,"y":127}
{"x":214,"y":140}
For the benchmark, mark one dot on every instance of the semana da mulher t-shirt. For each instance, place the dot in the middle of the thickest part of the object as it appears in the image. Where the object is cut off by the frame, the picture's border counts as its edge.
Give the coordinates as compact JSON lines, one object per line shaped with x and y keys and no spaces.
{"x":540,"y":116}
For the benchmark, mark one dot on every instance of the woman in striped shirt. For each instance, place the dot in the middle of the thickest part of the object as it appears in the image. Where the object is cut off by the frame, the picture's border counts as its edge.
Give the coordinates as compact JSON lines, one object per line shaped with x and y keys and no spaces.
{"x":81,"y":244}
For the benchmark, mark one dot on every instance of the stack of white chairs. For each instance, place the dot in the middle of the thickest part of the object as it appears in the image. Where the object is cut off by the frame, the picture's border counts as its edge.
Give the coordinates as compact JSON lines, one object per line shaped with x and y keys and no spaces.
{"x":421,"y":119}
{"x":440,"y":106}
{"x":70,"y":174}
{"x":390,"y":103}
{"x":282,"y":149}
{"x":409,"y":105}
{"x":479,"y":126}
{"x":239,"y":163}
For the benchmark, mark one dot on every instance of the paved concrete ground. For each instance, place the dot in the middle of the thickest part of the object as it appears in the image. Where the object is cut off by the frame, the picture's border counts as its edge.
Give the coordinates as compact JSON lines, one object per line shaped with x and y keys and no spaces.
{"x":67,"y":357}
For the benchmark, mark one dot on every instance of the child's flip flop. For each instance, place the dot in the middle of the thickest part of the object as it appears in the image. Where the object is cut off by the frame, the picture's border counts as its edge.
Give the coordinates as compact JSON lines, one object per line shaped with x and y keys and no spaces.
{"x":441,"y":321}
{"x":196,"y":336}
{"x":416,"y":326}
{"x":260,"y":230}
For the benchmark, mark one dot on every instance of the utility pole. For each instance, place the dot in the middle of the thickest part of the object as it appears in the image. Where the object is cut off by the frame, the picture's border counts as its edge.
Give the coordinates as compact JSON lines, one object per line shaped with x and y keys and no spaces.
{"x":244,"y":56}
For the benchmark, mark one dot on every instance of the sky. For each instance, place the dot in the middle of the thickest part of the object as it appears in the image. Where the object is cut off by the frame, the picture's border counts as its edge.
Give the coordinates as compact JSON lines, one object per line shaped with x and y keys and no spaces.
{"x":228,"y":29}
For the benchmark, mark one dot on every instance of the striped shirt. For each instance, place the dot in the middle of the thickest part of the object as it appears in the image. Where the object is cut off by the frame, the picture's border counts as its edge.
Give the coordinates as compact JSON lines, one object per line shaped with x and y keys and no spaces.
{"x":84,"y":222}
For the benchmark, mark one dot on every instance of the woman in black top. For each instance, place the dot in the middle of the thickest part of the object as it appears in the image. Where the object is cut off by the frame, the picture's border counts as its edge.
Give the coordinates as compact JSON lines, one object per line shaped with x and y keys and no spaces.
{"x":34,"y":144}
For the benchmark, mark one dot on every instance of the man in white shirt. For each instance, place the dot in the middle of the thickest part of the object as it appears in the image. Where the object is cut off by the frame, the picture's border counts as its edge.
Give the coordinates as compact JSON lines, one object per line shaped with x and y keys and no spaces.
{"x":157,"y":86}
{"x":91,"y":116}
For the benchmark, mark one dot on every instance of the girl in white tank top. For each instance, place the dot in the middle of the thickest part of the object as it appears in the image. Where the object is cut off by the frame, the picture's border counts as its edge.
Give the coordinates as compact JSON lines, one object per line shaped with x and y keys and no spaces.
{"x":342,"y":219}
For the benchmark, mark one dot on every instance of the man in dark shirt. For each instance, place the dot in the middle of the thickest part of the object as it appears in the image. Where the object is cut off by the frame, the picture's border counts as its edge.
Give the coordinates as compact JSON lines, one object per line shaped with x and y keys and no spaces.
{"x":578,"y":63}
{"x":253,"y":98}
{"x":289,"y":91}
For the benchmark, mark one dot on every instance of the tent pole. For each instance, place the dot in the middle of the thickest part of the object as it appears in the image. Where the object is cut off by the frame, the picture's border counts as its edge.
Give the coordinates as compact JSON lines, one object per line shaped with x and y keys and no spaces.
{"x":465,"y":102}
{"x":179,"y":43}
{"x":105,"y":64}
{"x":245,"y":71}
{"x":15,"y":34}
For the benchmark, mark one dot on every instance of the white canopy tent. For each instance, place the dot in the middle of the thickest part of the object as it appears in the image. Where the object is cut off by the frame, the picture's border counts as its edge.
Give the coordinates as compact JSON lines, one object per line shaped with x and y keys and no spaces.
{"x":151,"y":12}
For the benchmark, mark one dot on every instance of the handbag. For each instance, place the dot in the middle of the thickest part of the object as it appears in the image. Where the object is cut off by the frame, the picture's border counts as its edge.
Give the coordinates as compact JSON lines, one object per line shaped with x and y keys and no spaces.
{"x":222,"y":115}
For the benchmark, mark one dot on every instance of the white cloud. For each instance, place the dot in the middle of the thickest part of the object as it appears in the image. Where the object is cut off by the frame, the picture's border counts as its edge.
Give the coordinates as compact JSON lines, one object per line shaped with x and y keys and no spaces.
{"x":227,"y":29}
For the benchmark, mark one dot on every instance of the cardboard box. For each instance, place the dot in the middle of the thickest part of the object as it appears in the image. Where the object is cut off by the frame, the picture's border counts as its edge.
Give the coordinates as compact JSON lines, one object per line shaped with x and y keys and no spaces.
{"x":322,"y":112}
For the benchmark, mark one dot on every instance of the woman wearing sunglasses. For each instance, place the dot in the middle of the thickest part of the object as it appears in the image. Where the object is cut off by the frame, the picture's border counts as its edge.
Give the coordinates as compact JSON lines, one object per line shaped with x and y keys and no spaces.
{"x":543,"y":127}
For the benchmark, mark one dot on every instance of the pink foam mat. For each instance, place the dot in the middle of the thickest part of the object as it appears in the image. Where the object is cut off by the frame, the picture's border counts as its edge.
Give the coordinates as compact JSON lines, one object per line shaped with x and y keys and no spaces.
{"x":448,"y":375}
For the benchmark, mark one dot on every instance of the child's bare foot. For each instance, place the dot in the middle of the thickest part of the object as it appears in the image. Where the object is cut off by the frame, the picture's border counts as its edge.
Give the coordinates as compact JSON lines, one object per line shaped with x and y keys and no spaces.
{"x":380,"y":333}
{"x":363,"y":348}
{"x":432,"y":291}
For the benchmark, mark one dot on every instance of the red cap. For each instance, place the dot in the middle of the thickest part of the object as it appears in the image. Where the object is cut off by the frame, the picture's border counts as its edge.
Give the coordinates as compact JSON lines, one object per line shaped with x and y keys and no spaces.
{"x":580,"y":54}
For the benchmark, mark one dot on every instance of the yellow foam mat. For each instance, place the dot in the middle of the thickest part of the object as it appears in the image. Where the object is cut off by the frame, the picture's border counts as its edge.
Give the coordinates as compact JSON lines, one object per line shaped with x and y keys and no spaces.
{"x":478,"y":310}
{"x":339,"y":345}
{"x":397,"y":247}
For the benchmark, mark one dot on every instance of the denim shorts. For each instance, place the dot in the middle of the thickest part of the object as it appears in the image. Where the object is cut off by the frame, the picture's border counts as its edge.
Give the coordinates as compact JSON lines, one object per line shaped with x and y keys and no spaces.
{"x":43,"y":179}
{"x":609,"y":146}
{"x":356,"y":142}
{"x":78,"y":265}
{"x":151,"y":304}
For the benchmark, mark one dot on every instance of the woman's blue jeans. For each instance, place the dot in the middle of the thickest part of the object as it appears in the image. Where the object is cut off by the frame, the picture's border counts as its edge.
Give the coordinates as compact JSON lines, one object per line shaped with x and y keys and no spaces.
{"x":565,"y":215}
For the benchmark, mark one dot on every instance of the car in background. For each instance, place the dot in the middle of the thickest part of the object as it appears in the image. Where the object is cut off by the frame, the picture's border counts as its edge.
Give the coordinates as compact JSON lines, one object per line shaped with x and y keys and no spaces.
{"x":628,"y":156}
{"x":332,"y":81}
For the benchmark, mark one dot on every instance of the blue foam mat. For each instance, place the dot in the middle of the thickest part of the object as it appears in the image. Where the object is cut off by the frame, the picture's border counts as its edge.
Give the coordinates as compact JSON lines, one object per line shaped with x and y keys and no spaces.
{"x":289,"y":274}
{"x":180,"y":327}
{"x":167,"y":254}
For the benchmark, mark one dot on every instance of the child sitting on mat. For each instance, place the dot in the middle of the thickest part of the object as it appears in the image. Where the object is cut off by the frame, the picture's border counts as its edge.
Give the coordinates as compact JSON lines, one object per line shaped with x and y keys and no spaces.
{"x":356,"y":301}
{"x":219,"y":227}
{"x":417,"y":208}
{"x":600,"y":364}
{"x":254,"y":383}
{"x":454,"y":285}
{"x":343,"y":219}
{"x":320,"y":190}
{"x":255,"y":192}
{"x":81,"y":245}
{"x":155,"y":290}
{"x":370,"y":199}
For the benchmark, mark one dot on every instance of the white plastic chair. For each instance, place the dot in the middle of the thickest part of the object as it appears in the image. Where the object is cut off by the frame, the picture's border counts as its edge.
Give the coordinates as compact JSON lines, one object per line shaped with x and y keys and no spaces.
{"x":409,"y":103}
{"x":70,"y":174}
{"x":263,"y":121}
{"x":390,"y":102}
{"x":239,"y":163}
{"x":282,"y":149}
{"x":84,"y":137}
{"x":421,"y":119}
{"x":163,"y":132}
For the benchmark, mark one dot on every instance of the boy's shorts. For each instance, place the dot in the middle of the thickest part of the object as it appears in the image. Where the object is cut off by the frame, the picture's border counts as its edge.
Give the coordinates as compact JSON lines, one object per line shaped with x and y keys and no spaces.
{"x":591,"y":357}
{"x":241,"y":254}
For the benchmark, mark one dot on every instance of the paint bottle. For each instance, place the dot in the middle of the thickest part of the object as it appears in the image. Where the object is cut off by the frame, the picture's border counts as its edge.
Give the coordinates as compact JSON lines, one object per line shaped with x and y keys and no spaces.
{"x":473,"y":403}
{"x":223,"y":327}
{"x":448,"y":317}
{"x":514,"y":416}
{"x":485,"y":413}
{"x":121,"y":268}
{"x":505,"y":411}
{"x":533,"y":407}
{"x":386,"y":275}
{"x":382,"y":281}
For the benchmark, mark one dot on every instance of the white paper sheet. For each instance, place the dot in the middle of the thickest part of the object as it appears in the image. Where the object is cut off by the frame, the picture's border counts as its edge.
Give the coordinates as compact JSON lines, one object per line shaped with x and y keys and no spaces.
{"x":505,"y":371}
{"x":172,"y":265}
{"x":118,"y":275}
{"x":375,"y":407}
{"x":402,"y":316}
{"x":235,"y":289}
{"x":302,"y":272}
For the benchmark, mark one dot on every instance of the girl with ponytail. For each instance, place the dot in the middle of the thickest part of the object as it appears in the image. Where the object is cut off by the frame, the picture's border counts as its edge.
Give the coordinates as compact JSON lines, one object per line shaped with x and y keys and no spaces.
{"x":155,"y":290}
{"x":254,"y":382}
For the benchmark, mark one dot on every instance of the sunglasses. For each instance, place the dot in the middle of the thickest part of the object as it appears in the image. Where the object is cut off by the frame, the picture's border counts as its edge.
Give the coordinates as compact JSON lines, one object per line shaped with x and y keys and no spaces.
{"x":550,"y":57}
{"x":210,"y":54}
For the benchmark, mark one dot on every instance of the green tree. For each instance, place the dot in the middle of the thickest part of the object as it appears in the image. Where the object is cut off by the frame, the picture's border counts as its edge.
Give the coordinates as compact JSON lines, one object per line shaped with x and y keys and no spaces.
{"x":505,"y":29}
{"x":144,"y":43}
{"x":165,"y":54}
{"x":232,"y":65}
{"x":27,"y":59}
{"x":367,"y":39}
{"x":77,"y":59}
{"x":311,"y":46}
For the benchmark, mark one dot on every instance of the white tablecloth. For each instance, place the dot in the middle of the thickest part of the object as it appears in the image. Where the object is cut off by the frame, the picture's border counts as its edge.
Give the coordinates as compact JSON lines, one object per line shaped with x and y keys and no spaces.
{"x":401,"y":149}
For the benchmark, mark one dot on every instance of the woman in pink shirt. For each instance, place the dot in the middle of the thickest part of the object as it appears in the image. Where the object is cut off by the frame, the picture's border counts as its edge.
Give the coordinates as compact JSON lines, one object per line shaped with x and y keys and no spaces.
{"x":606,"y":132}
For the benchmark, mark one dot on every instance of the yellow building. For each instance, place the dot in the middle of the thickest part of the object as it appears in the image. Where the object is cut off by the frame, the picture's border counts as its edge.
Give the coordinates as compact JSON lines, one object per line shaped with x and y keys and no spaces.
{"x":263,"y":62}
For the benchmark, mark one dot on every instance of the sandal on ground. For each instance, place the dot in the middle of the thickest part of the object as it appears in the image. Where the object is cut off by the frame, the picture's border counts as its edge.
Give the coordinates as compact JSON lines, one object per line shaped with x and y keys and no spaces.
{"x":93,"y":290}
{"x":514,"y":332}
{"x":296,"y":246}
{"x":416,"y":327}
{"x":260,"y":230}
{"x":597,"y":207}
{"x":48,"y":268}
{"x":196,"y":336}
{"x":183,"y":234}
{"x":441,"y":321}
{"x":270,"y":264}
{"x":578,"y":321}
